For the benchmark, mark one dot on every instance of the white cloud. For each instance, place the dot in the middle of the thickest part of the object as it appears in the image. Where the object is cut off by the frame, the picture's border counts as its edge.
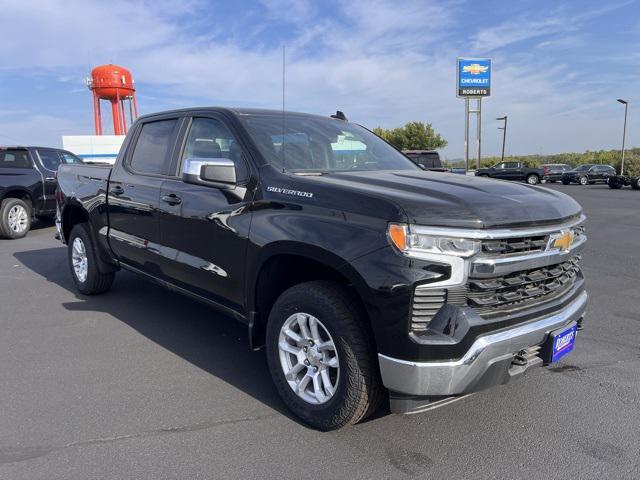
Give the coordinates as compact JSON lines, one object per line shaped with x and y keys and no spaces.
{"x":383,"y":63}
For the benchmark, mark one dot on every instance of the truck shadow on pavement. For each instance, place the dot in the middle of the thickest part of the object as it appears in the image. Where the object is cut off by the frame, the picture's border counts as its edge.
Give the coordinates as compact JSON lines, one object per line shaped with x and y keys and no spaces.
{"x":197,"y":333}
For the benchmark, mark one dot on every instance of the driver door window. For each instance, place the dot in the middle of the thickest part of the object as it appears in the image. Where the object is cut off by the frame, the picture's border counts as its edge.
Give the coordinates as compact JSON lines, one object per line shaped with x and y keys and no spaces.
{"x":209,"y":138}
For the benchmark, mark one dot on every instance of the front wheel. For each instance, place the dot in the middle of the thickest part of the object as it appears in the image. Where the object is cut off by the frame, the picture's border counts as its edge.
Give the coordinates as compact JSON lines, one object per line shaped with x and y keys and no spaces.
{"x":84,"y":263}
{"x":321,"y":357}
{"x":533,"y":179}
{"x":635,"y":183}
{"x":15,"y":218}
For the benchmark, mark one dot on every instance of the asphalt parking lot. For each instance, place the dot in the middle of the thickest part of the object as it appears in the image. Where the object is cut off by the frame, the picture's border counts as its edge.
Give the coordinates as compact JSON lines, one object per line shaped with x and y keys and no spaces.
{"x":143,"y":383}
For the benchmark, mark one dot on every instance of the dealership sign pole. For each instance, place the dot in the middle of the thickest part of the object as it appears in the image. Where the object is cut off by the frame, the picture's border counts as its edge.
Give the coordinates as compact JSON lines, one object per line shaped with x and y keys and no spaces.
{"x":473,"y":81}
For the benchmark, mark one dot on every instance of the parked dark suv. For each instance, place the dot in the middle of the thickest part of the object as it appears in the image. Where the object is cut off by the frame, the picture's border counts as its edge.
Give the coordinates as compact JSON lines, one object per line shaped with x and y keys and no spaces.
{"x":28,"y":185}
{"x":552,"y":172}
{"x":588,"y":174}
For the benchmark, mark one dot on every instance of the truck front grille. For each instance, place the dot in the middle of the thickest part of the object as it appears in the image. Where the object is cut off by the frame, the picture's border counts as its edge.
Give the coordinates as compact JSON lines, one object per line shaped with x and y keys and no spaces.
{"x":514,"y":246}
{"x":495,"y":296}
{"x":499,"y":294}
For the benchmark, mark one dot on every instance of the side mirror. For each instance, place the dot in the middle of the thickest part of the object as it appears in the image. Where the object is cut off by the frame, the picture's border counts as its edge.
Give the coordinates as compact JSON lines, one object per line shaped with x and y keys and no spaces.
{"x":212,"y":172}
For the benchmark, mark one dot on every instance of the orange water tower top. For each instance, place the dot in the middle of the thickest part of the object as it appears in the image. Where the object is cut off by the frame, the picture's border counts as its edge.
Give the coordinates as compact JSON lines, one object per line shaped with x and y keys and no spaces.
{"x":114,"y":84}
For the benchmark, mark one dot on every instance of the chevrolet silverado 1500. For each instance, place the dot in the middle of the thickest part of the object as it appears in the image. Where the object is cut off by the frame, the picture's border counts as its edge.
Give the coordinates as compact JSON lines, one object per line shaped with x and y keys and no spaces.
{"x":362,"y":275}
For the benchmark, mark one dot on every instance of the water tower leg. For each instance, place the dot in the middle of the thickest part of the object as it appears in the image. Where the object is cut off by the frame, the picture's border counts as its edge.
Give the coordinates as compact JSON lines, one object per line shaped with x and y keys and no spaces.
{"x":131,"y":117}
{"x":124,"y":117}
{"x":97,"y":118}
{"x":115,"y":112}
{"x":135,"y":106}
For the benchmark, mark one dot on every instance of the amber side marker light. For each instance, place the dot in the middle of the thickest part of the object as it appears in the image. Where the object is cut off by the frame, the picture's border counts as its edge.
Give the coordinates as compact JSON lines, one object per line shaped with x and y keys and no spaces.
{"x":398,"y":236}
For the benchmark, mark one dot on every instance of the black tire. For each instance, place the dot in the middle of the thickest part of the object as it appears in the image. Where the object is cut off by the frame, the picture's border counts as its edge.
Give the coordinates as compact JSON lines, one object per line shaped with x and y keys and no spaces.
{"x":615,"y":184}
{"x":8,"y":204}
{"x":359,"y":390}
{"x":583,"y":180}
{"x":533,"y":179}
{"x":566,"y":182}
{"x":95,"y":281}
{"x":635,"y":183}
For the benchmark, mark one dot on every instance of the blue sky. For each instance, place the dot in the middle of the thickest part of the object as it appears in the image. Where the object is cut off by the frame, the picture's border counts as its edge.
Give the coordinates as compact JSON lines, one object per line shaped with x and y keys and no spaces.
{"x":558,"y":65}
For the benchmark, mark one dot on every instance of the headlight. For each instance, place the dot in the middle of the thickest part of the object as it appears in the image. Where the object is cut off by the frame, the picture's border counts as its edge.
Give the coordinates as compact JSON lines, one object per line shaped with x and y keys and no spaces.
{"x":410,"y":242}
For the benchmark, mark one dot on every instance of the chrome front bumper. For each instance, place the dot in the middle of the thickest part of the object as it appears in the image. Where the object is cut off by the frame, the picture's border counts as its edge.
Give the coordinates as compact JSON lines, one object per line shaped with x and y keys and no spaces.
{"x":458,"y":377}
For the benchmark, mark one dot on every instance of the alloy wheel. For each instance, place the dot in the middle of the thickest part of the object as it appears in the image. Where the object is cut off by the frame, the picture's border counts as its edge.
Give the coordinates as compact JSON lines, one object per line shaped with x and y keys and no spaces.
{"x":308,"y":358}
{"x":18,"y":218}
{"x":79,"y":259}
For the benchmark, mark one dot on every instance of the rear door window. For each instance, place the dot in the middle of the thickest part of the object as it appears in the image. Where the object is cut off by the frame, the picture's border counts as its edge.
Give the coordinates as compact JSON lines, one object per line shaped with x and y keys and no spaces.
{"x":50,"y":159}
{"x":14,"y":159}
{"x":152,"y":153}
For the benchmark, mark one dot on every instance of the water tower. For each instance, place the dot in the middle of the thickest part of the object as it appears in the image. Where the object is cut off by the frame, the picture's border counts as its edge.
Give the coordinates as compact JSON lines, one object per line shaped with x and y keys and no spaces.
{"x":114,"y":84}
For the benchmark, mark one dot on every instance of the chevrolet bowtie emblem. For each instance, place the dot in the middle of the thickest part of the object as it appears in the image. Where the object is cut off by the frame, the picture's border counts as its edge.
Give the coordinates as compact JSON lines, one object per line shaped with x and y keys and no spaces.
{"x":564,"y":241}
{"x":475,"y":69}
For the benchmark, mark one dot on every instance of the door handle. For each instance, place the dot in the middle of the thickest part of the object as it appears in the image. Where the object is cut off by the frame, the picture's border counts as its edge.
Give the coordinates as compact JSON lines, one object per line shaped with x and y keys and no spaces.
{"x":50,"y":179}
{"x":117,"y":190}
{"x":172,"y":199}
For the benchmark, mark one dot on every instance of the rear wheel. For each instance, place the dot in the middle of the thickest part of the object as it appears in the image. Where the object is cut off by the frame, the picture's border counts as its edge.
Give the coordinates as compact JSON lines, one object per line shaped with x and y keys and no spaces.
{"x":615,"y":183}
{"x":321,"y":357}
{"x":566,"y":182}
{"x":84,"y":263}
{"x":533,"y":179}
{"x":15,"y":218}
{"x":635,"y":183}
{"x":583,"y":180}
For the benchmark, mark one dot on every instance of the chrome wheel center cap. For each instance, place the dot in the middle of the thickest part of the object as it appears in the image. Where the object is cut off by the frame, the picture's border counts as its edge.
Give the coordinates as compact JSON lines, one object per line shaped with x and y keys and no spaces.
{"x":314,"y":356}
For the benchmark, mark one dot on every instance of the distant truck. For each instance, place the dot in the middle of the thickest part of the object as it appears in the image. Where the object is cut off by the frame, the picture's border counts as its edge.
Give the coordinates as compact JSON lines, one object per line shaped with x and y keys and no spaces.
{"x":512,"y":171}
{"x":28,"y":185}
{"x":618,"y":181}
{"x":427,"y":159}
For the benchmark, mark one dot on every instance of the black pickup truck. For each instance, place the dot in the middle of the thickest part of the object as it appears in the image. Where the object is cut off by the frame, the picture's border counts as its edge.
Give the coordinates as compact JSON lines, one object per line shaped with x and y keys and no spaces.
{"x":28,"y":185}
{"x":512,"y":171}
{"x":363,"y":275}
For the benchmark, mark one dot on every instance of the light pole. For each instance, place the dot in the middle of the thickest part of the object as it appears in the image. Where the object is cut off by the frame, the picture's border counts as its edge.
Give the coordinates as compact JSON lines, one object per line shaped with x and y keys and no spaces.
{"x":504,"y":134}
{"x":624,"y":132}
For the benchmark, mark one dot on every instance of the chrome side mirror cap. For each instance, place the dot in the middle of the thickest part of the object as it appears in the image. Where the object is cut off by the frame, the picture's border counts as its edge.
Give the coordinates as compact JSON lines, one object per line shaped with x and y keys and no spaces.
{"x":212,"y":172}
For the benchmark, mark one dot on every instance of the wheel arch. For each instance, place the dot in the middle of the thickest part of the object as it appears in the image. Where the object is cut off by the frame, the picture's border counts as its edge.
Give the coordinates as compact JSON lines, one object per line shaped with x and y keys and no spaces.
{"x":73,"y":213}
{"x":18,"y":192}
{"x":284,"y":264}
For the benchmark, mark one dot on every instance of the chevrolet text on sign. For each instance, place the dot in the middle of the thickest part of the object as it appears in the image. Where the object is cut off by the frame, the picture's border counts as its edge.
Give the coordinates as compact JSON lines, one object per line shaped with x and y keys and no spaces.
{"x":474,"y":77}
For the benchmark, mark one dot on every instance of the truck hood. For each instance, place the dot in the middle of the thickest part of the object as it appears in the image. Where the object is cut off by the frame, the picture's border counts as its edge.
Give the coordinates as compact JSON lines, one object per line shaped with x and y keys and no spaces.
{"x":442,"y":199}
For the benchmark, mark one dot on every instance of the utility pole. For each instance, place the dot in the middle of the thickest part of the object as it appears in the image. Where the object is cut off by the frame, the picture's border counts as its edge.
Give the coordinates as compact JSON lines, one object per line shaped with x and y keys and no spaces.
{"x":624,"y":132}
{"x":504,"y":134}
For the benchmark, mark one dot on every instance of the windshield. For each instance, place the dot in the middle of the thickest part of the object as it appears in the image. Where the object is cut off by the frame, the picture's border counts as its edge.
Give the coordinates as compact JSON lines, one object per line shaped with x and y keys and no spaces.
{"x":317,"y":144}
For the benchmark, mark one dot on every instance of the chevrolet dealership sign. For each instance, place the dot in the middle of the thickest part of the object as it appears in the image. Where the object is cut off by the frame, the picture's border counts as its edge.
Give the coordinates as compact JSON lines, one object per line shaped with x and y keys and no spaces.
{"x":473,"y":77}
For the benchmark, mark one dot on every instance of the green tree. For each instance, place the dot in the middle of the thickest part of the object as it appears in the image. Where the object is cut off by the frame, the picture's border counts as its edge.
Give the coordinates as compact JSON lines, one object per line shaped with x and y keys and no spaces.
{"x":413,"y":136}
